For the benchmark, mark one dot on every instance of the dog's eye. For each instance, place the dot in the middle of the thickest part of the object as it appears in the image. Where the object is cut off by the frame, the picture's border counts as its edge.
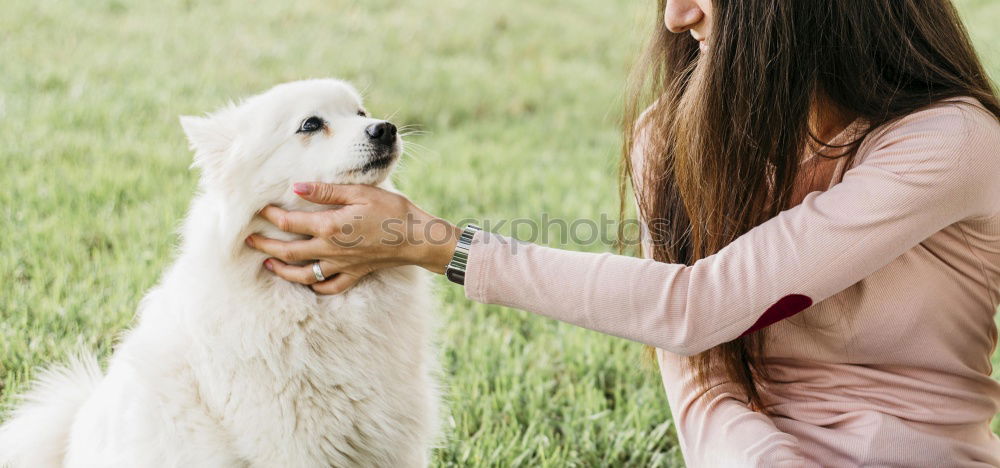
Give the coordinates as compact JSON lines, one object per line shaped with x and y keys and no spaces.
{"x":311,"y":124}
{"x":362,"y":113}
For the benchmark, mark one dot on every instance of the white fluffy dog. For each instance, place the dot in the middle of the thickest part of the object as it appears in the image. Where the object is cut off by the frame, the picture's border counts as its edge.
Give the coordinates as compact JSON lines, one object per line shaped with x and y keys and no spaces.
{"x":230,"y":366}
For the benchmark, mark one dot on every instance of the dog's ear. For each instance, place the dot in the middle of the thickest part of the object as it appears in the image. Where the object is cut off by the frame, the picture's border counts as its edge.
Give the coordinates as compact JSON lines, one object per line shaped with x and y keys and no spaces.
{"x":209,"y":138}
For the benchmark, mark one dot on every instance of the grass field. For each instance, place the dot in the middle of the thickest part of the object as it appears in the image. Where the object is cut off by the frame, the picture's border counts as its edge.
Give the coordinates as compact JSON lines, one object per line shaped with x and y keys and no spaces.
{"x":520,"y":101}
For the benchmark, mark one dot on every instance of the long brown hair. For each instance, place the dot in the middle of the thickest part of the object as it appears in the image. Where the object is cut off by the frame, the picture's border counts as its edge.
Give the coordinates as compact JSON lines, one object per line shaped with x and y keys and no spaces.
{"x":725,"y":132}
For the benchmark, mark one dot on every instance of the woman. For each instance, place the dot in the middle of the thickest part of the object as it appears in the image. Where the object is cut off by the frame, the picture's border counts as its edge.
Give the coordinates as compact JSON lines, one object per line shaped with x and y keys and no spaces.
{"x":820,"y":188}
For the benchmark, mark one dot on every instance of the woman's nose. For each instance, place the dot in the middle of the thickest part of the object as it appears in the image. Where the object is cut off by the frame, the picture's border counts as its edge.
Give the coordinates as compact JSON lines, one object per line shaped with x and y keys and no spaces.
{"x":681,"y":15}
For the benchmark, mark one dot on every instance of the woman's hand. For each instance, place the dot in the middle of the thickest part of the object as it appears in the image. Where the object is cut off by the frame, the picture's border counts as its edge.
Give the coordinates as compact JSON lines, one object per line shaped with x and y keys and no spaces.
{"x":373,"y":229}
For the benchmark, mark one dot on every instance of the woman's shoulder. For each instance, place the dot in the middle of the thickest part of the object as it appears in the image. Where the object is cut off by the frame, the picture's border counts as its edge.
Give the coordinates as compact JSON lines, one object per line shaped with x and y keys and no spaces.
{"x":960,"y":122}
{"x":953,"y":145}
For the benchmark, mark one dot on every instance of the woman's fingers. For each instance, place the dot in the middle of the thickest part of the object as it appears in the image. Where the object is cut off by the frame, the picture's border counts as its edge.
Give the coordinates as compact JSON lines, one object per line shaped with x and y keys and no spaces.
{"x":336,"y":285}
{"x":289,"y":251}
{"x":299,"y":222}
{"x":300,"y":274}
{"x":333,"y":194}
{"x":295,"y":274}
{"x":364,"y":238}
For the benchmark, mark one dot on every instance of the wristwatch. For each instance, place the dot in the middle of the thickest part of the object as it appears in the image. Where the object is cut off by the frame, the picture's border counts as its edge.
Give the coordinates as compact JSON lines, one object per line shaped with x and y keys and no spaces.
{"x":460,"y":259}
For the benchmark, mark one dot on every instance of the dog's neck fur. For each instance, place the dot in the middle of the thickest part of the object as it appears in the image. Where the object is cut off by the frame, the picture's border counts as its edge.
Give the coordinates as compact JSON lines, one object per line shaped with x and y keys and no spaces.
{"x":214,"y":234}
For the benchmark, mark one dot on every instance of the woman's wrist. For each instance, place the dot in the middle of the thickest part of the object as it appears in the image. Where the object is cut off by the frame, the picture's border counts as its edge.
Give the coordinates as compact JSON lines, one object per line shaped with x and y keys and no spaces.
{"x":436,"y":244}
{"x":442,"y":246}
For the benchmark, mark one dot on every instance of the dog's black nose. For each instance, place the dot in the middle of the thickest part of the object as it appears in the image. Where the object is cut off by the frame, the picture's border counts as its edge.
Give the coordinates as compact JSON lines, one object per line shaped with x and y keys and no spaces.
{"x":382,"y":132}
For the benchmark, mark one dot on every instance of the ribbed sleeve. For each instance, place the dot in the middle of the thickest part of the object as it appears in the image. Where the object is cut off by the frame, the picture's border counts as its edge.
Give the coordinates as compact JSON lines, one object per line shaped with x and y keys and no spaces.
{"x":715,"y":426}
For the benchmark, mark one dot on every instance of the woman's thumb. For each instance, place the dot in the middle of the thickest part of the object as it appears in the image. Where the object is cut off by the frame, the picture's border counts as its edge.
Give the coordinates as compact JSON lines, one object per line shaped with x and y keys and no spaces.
{"x":328,"y":194}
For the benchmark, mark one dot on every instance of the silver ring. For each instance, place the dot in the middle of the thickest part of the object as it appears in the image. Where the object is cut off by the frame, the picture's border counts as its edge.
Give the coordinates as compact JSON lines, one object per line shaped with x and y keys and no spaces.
{"x":318,"y":273}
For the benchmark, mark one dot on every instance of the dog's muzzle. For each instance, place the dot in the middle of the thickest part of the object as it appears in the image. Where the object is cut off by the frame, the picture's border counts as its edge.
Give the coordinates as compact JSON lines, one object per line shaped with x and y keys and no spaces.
{"x":383,"y":137}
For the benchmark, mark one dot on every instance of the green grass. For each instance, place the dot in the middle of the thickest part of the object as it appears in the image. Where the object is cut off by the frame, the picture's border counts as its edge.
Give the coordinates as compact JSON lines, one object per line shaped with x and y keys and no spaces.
{"x":520,"y":99}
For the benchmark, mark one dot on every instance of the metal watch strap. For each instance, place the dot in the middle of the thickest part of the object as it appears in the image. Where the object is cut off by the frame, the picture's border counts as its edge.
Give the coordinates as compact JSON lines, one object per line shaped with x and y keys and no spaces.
{"x":460,"y":259}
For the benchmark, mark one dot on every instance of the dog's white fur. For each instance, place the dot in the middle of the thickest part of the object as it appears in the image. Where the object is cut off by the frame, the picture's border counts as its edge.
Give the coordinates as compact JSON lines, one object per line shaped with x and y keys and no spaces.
{"x":229,"y":365}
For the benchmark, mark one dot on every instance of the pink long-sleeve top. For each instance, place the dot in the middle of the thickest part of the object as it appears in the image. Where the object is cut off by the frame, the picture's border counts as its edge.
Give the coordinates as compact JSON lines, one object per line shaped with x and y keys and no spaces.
{"x":889,"y":366}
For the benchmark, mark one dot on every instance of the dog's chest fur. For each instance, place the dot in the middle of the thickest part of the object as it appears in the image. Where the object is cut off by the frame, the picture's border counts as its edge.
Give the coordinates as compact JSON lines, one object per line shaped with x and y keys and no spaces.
{"x":295,"y":379}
